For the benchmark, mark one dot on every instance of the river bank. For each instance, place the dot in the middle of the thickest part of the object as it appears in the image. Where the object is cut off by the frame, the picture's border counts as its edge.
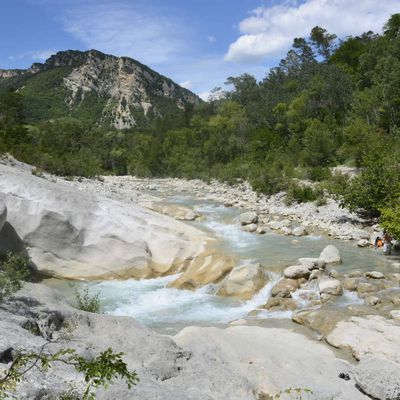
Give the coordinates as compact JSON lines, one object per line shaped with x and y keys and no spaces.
{"x":329,"y":218}
{"x":345,"y":295}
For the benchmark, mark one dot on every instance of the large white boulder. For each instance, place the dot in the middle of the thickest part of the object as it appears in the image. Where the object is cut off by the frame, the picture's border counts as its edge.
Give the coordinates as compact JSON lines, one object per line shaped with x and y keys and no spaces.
{"x":243,"y":281}
{"x":72,"y":234}
{"x":330,"y":255}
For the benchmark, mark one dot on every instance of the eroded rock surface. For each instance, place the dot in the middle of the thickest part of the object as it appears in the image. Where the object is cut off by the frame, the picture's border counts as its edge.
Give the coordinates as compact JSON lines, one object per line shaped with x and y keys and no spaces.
{"x":72,"y":234}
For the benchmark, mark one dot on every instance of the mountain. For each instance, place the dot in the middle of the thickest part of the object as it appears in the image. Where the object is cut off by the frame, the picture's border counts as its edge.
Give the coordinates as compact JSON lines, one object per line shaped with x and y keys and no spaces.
{"x":98,"y":88}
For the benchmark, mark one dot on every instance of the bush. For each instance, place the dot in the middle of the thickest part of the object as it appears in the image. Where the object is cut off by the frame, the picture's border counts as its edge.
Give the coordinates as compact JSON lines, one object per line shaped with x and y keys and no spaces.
{"x":319,"y":173}
{"x":390,"y":220}
{"x":300,"y":194}
{"x":98,"y":371}
{"x":13,"y":272}
{"x":87,"y":302}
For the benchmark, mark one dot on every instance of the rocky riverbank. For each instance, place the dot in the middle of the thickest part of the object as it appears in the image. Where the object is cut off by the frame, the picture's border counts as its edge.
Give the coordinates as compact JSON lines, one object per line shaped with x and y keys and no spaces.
{"x":102,"y":229}
{"x":273,"y":212}
{"x":239,"y":363}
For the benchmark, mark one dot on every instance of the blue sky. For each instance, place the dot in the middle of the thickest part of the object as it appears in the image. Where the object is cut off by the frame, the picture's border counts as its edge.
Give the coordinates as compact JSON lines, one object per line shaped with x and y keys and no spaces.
{"x":198,"y":43}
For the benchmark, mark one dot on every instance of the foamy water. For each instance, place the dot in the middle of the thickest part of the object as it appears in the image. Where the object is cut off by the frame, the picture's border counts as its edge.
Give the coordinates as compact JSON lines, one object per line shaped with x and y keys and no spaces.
{"x":155,"y":304}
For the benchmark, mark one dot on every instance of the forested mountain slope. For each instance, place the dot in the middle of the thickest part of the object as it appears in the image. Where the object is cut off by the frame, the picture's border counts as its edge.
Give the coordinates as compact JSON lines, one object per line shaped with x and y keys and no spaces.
{"x":96,"y":88}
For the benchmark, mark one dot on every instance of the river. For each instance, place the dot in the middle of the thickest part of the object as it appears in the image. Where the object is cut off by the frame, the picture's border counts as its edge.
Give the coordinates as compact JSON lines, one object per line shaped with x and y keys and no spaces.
{"x":168,"y":310}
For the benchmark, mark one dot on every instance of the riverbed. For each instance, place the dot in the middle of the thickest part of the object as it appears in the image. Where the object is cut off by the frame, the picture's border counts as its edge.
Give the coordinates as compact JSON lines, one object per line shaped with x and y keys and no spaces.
{"x":168,"y":310}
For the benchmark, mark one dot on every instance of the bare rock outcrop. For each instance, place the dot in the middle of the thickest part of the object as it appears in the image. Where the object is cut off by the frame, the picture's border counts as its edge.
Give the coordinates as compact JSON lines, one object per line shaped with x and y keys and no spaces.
{"x":72,"y":234}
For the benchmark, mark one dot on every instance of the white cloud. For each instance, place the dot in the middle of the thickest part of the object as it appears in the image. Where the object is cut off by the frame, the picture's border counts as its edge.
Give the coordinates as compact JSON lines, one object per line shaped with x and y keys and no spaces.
{"x":36,"y":55}
{"x":205,"y":95}
{"x":269,"y":31}
{"x":126,"y":29}
{"x":186,"y":84}
{"x":211,"y":39}
{"x":209,"y":72}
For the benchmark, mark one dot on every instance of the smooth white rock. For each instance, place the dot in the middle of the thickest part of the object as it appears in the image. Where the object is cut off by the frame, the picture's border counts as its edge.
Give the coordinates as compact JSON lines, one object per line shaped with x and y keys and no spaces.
{"x":72,"y":234}
{"x":330,"y":255}
{"x":296,"y":272}
{"x":330,"y":286}
{"x":248,"y":218}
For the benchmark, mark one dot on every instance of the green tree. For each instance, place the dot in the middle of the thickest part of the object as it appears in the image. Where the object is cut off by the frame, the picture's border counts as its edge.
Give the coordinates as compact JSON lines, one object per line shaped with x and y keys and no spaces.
{"x":323,"y":41}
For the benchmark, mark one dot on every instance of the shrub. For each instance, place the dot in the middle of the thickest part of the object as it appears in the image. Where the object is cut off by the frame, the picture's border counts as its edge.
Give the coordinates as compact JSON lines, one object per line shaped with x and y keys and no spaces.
{"x":13,"y":272}
{"x":319,"y":173}
{"x":87,"y":302}
{"x":98,"y":371}
{"x":300,"y":194}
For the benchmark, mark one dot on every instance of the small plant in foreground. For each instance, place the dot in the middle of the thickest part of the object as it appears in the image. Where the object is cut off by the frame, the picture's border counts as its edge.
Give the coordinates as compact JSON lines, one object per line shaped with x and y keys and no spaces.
{"x":98,"y":371}
{"x":87,"y":302}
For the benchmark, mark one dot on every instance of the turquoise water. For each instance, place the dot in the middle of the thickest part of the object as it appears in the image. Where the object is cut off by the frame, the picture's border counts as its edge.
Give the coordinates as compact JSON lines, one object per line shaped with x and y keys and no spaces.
{"x":167,"y":309}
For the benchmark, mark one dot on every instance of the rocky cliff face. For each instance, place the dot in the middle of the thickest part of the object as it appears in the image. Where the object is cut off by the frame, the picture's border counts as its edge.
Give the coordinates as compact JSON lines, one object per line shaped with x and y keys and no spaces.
{"x":121,"y":91}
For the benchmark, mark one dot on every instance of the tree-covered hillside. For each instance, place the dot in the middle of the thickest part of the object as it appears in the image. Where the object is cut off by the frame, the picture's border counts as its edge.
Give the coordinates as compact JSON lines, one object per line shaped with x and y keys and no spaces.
{"x":328,"y":102}
{"x":97,"y":89}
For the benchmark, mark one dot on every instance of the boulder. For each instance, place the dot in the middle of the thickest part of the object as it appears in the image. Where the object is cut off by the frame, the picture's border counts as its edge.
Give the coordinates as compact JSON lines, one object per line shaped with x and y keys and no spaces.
{"x":372,"y":301}
{"x":250,"y":228}
{"x":315,"y":274}
{"x":359,"y":234}
{"x":284,"y":288}
{"x":76,"y":235}
{"x":286,"y":231}
{"x":378,"y":378}
{"x":372,"y":335}
{"x":300,"y":231}
{"x":375,"y":275}
{"x":365,"y":288}
{"x":209,"y":268}
{"x":350,"y":284}
{"x":243,"y":281}
{"x":363,"y":243}
{"x":280,"y":304}
{"x":296,"y":272}
{"x":261,"y":230}
{"x":395,"y":314}
{"x":3,"y":214}
{"x":321,"y":320}
{"x":312,"y":263}
{"x":248,"y":218}
{"x":334,"y":274}
{"x":330,"y":255}
{"x":330,"y":286}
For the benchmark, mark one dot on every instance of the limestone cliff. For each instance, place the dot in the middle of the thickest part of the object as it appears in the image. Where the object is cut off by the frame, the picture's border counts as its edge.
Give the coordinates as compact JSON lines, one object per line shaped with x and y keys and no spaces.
{"x":108,"y":90}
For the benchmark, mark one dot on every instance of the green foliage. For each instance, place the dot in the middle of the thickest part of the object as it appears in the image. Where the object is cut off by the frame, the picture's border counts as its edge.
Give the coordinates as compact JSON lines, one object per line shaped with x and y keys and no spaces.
{"x":377,"y":186}
{"x":102,"y":369}
{"x":99,"y":371}
{"x":319,"y":173}
{"x":87,"y":302}
{"x":390,"y":219}
{"x":301,"y":194}
{"x":318,"y":144}
{"x":13,"y":272}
